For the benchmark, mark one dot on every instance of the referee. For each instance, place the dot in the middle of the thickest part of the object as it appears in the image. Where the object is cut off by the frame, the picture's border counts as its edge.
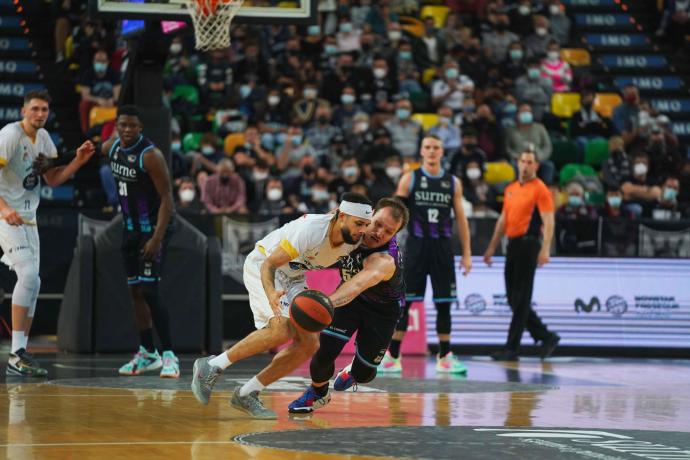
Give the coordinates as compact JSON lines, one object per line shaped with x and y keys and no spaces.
{"x":522,"y":224}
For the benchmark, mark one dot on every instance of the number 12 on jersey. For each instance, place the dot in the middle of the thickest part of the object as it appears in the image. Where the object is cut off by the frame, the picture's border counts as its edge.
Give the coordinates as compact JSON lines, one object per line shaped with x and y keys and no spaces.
{"x":433,"y":216}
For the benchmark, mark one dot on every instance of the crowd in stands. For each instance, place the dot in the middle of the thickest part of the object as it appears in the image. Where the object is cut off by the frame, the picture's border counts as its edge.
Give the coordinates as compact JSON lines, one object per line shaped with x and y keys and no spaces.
{"x":289,"y":117}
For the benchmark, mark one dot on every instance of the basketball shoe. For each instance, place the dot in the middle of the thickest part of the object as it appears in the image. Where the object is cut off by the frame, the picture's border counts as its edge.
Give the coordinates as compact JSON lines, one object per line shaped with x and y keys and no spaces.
{"x":22,"y":364}
{"x":204,"y":378}
{"x":309,"y":401}
{"x":252,"y":405}
{"x":143,"y":361}
{"x":449,"y":364}
{"x":344,"y":379}
{"x":171,"y":366}
{"x":390,"y":364}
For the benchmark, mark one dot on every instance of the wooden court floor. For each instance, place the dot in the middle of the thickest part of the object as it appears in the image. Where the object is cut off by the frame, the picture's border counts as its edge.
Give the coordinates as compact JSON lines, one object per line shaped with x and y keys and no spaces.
{"x":566,"y":408}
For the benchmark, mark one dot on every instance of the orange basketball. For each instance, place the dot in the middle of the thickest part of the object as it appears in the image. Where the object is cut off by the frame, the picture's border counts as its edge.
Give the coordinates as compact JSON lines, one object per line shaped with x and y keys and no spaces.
{"x":311,"y":311}
{"x":207,"y":7}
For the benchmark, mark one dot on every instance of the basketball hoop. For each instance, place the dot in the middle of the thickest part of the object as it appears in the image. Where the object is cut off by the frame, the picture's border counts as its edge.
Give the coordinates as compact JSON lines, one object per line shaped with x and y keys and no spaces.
{"x":212,"y":19}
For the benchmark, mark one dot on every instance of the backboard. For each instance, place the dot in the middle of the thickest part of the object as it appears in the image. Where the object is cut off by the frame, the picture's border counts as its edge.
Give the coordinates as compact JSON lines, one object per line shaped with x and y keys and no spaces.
{"x":253,"y":11}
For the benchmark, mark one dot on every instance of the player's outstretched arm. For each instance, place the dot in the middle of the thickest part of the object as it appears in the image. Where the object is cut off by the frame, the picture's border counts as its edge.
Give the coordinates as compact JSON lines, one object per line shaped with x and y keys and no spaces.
{"x":60,"y":174}
{"x":403,"y":189}
{"x":377,"y":267}
{"x":155,"y":165}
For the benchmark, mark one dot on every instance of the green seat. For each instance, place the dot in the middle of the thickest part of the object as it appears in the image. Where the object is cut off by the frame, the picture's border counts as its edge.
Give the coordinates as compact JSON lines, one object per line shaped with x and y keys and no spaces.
{"x":191,"y":141}
{"x":596,"y":198}
{"x":187,"y":92}
{"x":564,"y":152}
{"x":596,"y":152}
{"x":573,"y":170}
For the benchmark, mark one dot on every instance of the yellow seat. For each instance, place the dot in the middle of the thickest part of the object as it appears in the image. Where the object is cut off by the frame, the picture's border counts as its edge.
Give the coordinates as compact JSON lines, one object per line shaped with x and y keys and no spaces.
{"x":427,"y":120}
{"x":499,"y":172}
{"x":439,"y":13}
{"x":231,"y":141}
{"x":69,"y":47}
{"x":412,"y":26}
{"x":576,"y":57}
{"x":604,"y":103}
{"x":564,"y":105}
{"x":288,"y":5}
{"x":99,"y":115}
{"x":428,"y":75}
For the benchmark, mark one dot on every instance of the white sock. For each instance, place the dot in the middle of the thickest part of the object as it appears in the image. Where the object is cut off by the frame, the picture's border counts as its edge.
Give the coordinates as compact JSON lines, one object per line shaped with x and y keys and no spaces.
{"x":251,"y":386}
{"x":221,"y":361}
{"x":18,"y":340}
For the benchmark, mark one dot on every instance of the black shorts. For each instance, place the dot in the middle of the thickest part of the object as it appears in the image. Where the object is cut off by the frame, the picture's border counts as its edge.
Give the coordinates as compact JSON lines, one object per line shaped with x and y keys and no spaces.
{"x":433,"y":257}
{"x":138,"y":269}
{"x":374,"y":324}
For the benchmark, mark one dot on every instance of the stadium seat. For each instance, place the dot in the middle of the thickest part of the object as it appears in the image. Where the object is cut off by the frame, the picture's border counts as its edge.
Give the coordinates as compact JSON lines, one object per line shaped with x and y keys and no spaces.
{"x":596,"y":198}
{"x":428,"y":75}
{"x":191,"y":141}
{"x":231,"y":141}
{"x":99,"y":115}
{"x":439,"y":13}
{"x":427,"y":120}
{"x":412,"y":26}
{"x":565,"y":105}
{"x":596,"y":152}
{"x":188,"y":92}
{"x":576,"y":57}
{"x":499,"y":172}
{"x":288,"y":5}
{"x":564,"y":152}
{"x":573,"y":170}
{"x":604,"y":103}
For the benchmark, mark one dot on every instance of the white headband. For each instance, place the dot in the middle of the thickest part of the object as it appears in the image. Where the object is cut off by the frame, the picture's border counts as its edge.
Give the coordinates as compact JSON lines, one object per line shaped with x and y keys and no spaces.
{"x":361,"y":210}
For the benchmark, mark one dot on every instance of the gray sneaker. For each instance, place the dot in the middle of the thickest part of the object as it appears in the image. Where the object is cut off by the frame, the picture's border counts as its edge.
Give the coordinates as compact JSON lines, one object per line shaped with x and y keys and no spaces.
{"x":204,"y":376}
{"x":252,"y":405}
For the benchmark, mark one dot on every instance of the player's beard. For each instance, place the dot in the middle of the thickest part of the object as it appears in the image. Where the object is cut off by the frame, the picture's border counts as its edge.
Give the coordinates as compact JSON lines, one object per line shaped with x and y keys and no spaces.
{"x":347,"y":236}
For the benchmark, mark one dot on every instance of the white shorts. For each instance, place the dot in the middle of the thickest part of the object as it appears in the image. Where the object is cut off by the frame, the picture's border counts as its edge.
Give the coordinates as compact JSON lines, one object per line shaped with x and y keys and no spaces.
{"x":258,"y":301}
{"x":19,"y":243}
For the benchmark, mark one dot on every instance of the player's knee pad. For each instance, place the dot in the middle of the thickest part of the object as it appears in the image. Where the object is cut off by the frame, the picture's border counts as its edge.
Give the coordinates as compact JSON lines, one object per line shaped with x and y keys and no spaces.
{"x":443,"y":318}
{"x":404,"y":318}
{"x":28,"y":284}
{"x":321,"y":367}
{"x":34,"y":300}
{"x":362,"y":372}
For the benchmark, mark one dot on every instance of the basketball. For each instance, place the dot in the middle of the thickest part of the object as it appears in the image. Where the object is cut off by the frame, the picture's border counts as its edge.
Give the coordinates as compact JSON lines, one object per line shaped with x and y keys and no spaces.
{"x":311,"y":311}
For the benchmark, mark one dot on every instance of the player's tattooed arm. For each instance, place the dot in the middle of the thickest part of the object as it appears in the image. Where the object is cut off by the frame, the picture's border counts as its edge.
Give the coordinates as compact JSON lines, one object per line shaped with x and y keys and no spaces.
{"x":377,"y":267}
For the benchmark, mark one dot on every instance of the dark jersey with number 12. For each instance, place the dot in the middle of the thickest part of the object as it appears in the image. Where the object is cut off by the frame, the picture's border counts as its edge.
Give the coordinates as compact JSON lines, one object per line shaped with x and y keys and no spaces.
{"x":136,"y":191}
{"x":430,"y":202}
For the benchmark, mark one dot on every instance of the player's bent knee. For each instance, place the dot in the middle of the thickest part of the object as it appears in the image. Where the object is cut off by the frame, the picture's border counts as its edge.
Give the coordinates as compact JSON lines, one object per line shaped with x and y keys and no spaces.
{"x":28,"y":284}
{"x":362,"y":372}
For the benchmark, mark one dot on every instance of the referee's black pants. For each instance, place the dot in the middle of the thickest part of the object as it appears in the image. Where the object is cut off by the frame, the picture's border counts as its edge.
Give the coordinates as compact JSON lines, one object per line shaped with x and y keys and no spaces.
{"x":521,"y":264}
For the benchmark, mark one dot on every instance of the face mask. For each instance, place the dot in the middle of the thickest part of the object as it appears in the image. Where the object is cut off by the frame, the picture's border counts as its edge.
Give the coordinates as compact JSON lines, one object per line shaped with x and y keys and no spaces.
{"x":640,"y":169}
{"x":350,"y":171}
{"x":380,"y":73}
{"x":468,"y":108}
{"x":273,"y":100}
{"x":296,"y":140}
{"x":319,"y":195}
{"x":361,"y":127}
{"x":224,"y":180}
{"x":510,"y":108}
{"x":555,"y":10}
{"x":541,"y":31}
{"x":100,"y":67}
{"x":245,"y":90}
{"x":614,"y":201}
{"x":452,"y":73}
{"x":323,"y":120}
{"x":187,"y":195}
{"x":176,"y":48}
{"x":208,"y":150}
{"x":393,"y":172}
{"x":444,"y":120}
{"x":525,"y":118}
{"x":524,"y":10}
{"x":670,"y":194}
{"x":533,"y":73}
{"x":516,"y":54}
{"x":474,"y":173}
{"x":406,"y":55}
{"x":346,"y":27}
{"x":631,"y":98}
{"x":553,"y":55}
{"x":575,"y":200}
{"x":260,"y":175}
{"x":394,"y":35}
{"x":347,"y":99}
{"x":274,"y":194}
{"x":402,"y":114}
{"x":310,"y":93}
{"x":314,"y":30}
{"x":176,"y":146}
{"x":330,"y":49}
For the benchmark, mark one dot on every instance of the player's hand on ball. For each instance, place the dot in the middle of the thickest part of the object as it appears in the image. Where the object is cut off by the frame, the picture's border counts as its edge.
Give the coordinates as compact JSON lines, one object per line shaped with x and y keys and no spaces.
{"x":274,"y":302}
{"x":12,"y":217}
{"x":85,"y":151}
{"x":151,"y":249}
{"x":41,"y":164}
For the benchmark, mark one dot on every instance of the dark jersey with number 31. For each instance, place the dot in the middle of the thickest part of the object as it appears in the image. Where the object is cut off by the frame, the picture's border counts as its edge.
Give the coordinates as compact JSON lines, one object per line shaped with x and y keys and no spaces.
{"x":136,"y":191}
{"x":430,"y":202}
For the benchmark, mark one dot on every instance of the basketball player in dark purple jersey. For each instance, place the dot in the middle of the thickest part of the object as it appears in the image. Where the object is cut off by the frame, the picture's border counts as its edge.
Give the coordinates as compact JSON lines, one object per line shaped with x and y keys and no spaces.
{"x":145,"y":195}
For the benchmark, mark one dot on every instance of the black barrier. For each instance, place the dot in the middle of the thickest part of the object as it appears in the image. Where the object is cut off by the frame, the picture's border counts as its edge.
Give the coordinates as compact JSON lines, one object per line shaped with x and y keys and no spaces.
{"x":75,"y":322}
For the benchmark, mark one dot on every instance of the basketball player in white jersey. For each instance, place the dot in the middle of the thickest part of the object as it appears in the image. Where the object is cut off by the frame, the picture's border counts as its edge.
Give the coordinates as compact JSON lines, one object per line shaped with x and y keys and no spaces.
{"x":21,"y":143}
{"x":274,"y":273}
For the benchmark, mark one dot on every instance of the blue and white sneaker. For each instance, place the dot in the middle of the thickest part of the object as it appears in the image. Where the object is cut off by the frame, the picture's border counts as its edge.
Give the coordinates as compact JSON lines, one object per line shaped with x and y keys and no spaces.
{"x":345,"y":380}
{"x":171,"y":366}
{"x":143,"y":361}
{"x":309,"y":401}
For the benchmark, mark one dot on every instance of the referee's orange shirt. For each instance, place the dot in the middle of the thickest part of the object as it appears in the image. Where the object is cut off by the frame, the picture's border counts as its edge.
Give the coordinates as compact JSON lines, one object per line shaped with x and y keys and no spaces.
{"x":522,"y":204}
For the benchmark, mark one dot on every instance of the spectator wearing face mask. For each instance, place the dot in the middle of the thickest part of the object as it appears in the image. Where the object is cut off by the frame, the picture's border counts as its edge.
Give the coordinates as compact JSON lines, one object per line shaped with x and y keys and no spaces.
{"x":346,"y":109}
{"x":475,"y":65}
{"x":347,"y":36}
{"x":640,"y":191}
{"x":273,"y":203}
{"x":450,"y":90}
{"x":447,"y":131}
{"x":477,"y":191}
{"x":375,"y":156}
{"x":179,"y":160}
{"x":273,"y":114}
{"x":514,"y":65}
{"x":405,"y":132}
{"x":667,"y":208}
{"x":294,"y":150}
{"x":555,"y":69}
{"x":386,"y":179}
{"x":487,"y":132}
{"x":626,"y":115}
{"x":613,"y":207}
{"x":535,"y":89}
{"x":255,"y":181}
{"x":178,"y":69}
{"x":99,"y":86}
{"x":532,"y":135}
{"x":537,"y":43}
{"x":360,"y":136}
{"x":408,"y":69}
{"x":188,"y":199}
{"x":576,"y":206}
{"x":205,"y":161}
{"x":247,"y":154}
{"x":224,"y":191}
{"x":587,"y":124}
{"x":560,"y":23}
{"x":350,"y":174}
{"x":215,"y":79}
{"x":378,"y":90}
{"x":522,"y":17}
{"x":338,"y":150}
{"x":337,"y":77}
{"x":664,"y":158}
{"x":435,"y":46}
{"x":322,"y":131}
{"x":304,"y":109}
{"x":498,"y":39}
{"x":469,"y":152}
{"x":617,"y":168}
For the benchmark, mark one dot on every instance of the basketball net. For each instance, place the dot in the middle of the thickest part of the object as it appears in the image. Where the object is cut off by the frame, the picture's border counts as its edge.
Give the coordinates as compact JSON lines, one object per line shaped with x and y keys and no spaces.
{"x":212,"y":19}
